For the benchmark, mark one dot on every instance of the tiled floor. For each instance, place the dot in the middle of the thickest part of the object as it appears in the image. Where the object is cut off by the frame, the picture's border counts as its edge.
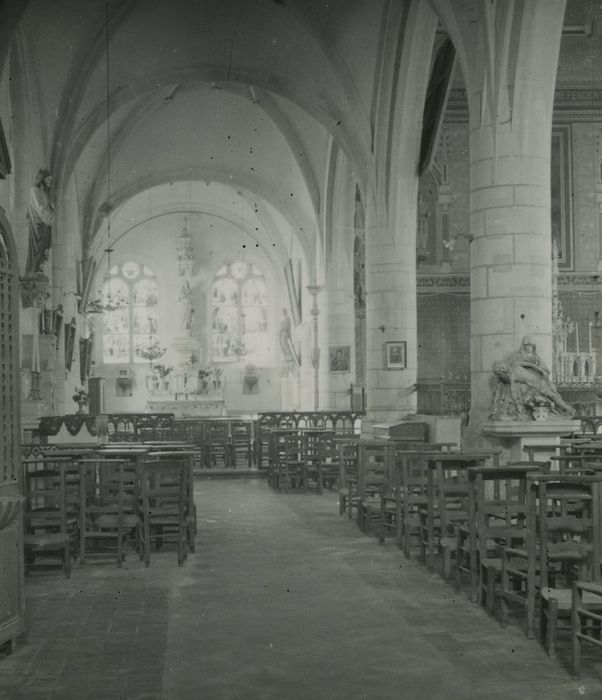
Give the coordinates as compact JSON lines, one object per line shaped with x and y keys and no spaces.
{"x":283,"y":600}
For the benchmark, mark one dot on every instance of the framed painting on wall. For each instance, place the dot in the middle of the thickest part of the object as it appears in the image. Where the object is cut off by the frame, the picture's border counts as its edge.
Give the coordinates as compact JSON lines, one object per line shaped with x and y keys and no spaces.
{"x":395,"y":354}
{"x":339,"y":358}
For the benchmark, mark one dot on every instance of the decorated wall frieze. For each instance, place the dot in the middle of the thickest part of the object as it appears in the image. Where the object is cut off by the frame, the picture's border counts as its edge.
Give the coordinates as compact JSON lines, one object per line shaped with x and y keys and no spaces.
{"x":577,"y":281}
{"x":434,"y":283}
{"x":571,"y":103}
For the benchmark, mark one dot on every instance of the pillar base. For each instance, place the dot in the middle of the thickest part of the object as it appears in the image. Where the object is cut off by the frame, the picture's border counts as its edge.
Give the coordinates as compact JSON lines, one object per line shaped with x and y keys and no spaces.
{"x":513,"y":437}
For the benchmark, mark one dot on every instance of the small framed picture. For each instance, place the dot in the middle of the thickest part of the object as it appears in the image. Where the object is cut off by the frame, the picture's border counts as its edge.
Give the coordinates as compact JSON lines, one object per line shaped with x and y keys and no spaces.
{"x":339,"y":358}
{"x":395,"y":354}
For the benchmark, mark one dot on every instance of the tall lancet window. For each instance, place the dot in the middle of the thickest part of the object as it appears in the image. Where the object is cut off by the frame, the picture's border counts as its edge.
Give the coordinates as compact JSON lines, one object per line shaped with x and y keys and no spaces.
{"x":130,"y":299}
{"x":239,"y":313}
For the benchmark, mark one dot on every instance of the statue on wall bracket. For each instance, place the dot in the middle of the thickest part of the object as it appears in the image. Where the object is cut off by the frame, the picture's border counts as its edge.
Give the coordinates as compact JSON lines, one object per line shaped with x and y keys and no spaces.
{"x":524,"y":391}
{"x":40,"y":217}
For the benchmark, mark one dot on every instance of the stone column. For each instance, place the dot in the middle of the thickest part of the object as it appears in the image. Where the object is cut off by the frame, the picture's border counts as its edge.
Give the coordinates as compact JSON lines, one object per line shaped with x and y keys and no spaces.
{"x":314,"y":312}
{"x":336,"y":299}
{"x":391,"y":211}
{"x":510,"y":137}
{"x":337,"y":331}
{"x":66,"y":254}
{"x":390,"y":313}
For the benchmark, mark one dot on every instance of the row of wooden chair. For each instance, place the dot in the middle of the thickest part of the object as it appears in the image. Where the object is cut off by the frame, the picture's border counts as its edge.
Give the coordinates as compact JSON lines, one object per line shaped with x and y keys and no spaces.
{"x":303,"y":460}
{"x":93,"y":505}
{"x":220,"y":442}
{"x":520,"y":535}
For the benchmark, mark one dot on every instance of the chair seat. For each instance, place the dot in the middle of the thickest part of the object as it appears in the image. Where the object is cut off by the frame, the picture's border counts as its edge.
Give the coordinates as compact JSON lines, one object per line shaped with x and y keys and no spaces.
{"x":573,"y":551}
{"x":57,"y":539}
{"x":457,"y":515}
{"x":492,"y":563}
{"x":110,"y":521}
{"x":412,"y":522}
{"x":564,"y":597}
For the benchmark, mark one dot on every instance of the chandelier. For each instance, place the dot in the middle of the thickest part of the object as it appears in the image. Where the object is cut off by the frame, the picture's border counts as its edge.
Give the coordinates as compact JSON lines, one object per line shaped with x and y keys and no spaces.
{"x":107,"y":301}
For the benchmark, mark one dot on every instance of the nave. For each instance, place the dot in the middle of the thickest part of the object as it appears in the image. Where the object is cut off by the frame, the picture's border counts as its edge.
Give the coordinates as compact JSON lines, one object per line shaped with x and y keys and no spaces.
{"x":283,"y":600}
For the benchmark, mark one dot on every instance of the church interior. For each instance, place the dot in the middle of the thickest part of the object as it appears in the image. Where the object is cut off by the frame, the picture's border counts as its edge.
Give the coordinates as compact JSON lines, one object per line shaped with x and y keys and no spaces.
{"x":300,"y":349}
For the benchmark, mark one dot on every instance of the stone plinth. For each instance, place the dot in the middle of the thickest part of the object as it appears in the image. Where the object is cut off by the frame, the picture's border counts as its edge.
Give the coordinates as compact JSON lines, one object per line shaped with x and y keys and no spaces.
{"x":513,"y":437}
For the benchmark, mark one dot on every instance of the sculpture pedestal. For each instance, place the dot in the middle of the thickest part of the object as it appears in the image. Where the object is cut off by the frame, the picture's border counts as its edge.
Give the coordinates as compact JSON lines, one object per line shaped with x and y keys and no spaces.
{"x":514,"y":437}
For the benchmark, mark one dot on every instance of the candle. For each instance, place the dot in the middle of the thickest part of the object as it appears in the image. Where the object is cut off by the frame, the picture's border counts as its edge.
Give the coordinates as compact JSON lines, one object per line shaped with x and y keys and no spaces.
{"x":35,"y":350}
{"x":577,"y":335}
{"x":590,"y":336}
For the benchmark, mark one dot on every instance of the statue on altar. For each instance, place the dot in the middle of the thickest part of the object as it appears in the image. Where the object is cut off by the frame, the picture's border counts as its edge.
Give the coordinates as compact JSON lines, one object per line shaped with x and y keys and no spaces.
{"x":524,"y":390}
{"x":186,"y":308}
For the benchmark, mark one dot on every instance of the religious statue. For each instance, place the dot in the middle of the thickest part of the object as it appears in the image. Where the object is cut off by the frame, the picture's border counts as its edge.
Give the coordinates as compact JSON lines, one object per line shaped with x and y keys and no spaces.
{"x":186,"y":310}
{"x":40,"y":217}
{"x":524,"y":390}
{"x":286,"y":342}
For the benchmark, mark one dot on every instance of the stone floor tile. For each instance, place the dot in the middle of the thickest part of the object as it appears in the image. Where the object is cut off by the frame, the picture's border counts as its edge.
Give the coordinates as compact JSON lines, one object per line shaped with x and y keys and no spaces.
{"x":283,"y":600}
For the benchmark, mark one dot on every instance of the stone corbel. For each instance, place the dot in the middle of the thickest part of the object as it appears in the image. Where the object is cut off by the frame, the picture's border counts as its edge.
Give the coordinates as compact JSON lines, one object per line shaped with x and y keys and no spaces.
{"x":34,"y":290}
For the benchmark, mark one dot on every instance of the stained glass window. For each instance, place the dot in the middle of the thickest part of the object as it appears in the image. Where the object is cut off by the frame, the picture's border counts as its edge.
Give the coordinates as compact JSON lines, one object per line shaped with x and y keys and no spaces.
{"x":131,"y":315}
{"x":240,"y":313}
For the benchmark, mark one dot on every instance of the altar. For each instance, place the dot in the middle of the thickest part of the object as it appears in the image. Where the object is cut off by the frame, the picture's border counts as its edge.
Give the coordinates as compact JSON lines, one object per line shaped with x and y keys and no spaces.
{"x":194,"y":406}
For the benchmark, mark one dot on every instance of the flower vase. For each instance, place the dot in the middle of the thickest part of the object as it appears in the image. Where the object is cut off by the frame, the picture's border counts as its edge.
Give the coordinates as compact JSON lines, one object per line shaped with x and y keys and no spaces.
{"x":82,"y":408}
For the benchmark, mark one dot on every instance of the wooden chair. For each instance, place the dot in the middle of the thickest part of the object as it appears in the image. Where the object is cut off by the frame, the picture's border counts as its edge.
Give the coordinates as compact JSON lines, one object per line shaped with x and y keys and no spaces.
{"x":321,"y":457}
{"x":276,"y":440}
{"x":330,"y":465}
{"x":241,"y":443}
{"x":570,"y":541}
{"x":347,"y":457}
{"x":291,"y":465}
{"x":217,"y":443}
{"x":375,"y":459}
{"x":447,"y":504}
{"x":561,"y":544}
{"x":413,"y":499}
{"x":497,"y":512}
{"x":586,"y":619}
{"x":166,"y":504}
{"x":311,"y":439}
{"x":48,"y":535}
{"x":108,"y":509}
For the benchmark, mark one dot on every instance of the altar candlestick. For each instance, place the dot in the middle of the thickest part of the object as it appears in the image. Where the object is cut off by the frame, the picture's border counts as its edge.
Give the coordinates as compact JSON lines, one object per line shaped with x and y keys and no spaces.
{"x":577,"y":335}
